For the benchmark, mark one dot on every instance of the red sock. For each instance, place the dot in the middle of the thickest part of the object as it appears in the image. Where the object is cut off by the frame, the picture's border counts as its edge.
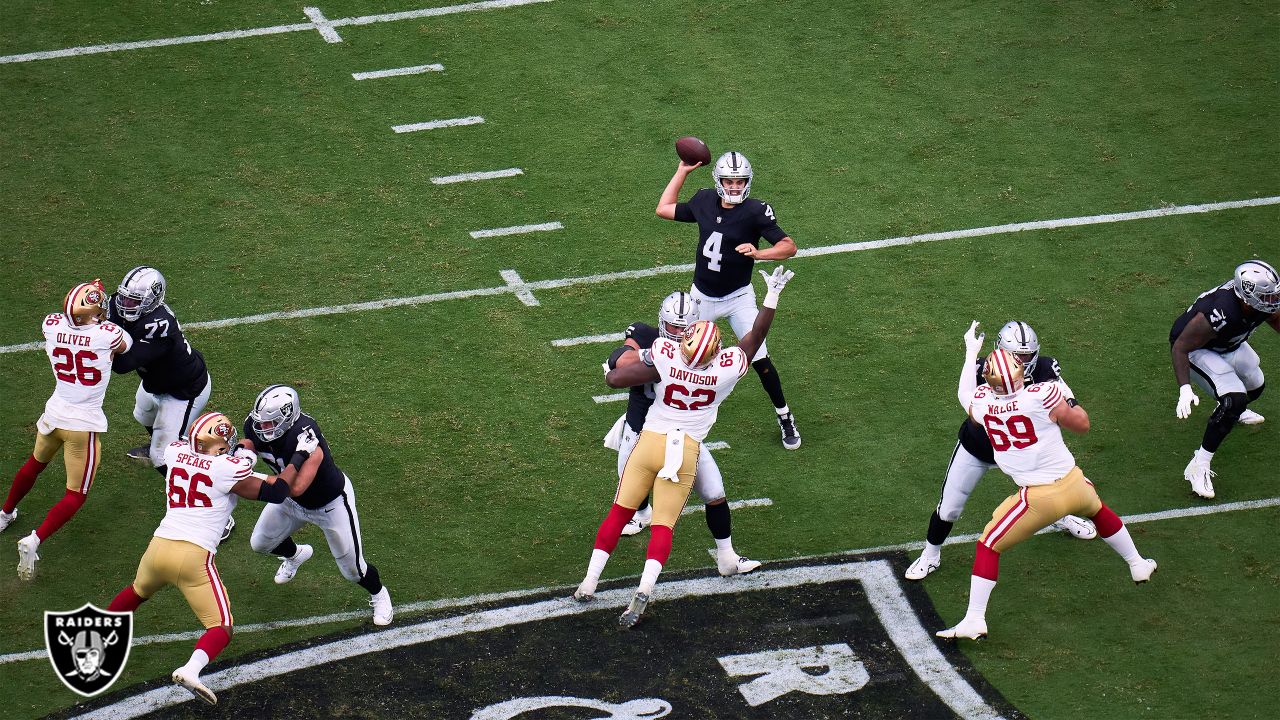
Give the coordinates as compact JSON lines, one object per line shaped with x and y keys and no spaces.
{"x":1107,"y":522}
{"x":659,"y":543}
{"x":986,"y":563}
{"x":23,"y":481}
{"x":59,"y":514}
{"x":213,"y":641}
{"x":611,"y":529}
{"x":127,"y":600}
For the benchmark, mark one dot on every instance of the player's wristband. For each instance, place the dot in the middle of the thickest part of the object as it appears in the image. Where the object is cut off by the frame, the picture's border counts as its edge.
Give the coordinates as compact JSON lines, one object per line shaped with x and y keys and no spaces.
{"x":1072,"y":402}
{"x":298,"y":459}
{"x":771,"y":299}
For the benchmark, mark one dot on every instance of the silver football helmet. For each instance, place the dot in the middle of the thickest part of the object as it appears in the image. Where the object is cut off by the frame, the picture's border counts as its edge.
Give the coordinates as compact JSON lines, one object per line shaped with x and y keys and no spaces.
{"x":275,"y":411}
{"x":675,"y":315}
{"x":1258,"y":285}
{"x":732,"y":164}
{"x":140,"y":292}
{"x":1018,"y":338}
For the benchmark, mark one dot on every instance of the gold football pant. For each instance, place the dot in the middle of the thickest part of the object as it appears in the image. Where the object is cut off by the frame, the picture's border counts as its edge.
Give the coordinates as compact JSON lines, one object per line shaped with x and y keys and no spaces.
{"x":81,"y":451}
{"x":640,"y":476}
{"x":1032,"y":508}
{"x":191,"y":568}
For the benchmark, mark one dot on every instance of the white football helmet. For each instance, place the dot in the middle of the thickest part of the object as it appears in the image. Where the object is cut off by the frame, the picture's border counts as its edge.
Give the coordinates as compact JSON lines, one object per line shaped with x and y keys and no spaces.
{"x":675,"y":315}
{"x":732,"y":164}
{"x":1018,"y":338}
{"x":275,"y":411}
{"x":1258,"y":285}
{"x":140,"y":292}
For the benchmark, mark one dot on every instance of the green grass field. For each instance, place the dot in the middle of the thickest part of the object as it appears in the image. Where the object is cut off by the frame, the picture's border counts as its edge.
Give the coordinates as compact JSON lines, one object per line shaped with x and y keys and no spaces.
{"x":260,"y":177}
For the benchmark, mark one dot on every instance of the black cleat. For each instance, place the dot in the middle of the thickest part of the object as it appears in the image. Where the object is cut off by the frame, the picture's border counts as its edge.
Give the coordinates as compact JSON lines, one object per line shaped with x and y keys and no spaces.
{"x":790,"y":435}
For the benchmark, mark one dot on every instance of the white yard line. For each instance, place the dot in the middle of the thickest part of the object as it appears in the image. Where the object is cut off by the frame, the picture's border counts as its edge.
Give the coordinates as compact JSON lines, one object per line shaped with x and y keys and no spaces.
{"x":471,"y":600}
{"x":273,"y":30}
{"x":589,"y":339}
{"x":397,"y":72}
{"x":519,"y":287}
{"x":667,"y":269}
{"x":612,"y":397}
{"x":322,"y":25}
{"x":720,"y":445}
{"x":474,"y":176}
{"x":516,"y":230}
{"x":437,"y":124}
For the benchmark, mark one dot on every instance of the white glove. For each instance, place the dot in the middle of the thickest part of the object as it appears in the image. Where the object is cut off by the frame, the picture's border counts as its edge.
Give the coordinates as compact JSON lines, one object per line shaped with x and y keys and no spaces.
{"x":307,"y":441}
{"x":1186,"y":398}
{"x":973,"y":341}
{"x":775,"y":282}
{"x":605,"y":366}
{"x":243,"y":452}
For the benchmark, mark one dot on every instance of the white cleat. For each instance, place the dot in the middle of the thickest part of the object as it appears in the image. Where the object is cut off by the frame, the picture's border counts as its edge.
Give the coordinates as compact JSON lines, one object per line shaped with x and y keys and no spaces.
{"x":632,"y":614}
{"x":289,"y":566}
{"x":921,"y":568}
{"x":1249,"y":417}
{"x":973,"y":629}
{"x":736,"y":565}
{"x":6,"y":519}
{"x":1142,"y":571}
{"x":27,"y":556}
{"x":637,"y":523}
{"x":191,"y":681}
{"x":382,"y":609}
{"x":1076,"y":527}
{"x":1200,"y":477}
{"x":586,"y":591}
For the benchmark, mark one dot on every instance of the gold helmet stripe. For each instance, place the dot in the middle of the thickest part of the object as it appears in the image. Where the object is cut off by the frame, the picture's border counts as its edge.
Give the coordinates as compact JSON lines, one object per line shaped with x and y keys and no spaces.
{"x":68,"y":305}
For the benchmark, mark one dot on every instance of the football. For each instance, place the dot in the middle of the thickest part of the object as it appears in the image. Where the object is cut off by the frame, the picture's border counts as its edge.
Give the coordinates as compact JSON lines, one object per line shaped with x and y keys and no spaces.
{"x":693,"y":151}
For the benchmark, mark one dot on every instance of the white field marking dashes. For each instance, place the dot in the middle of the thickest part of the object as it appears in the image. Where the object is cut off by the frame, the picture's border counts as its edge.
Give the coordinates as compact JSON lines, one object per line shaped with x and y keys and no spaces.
{"x":444,"y":604}
{"x":516,"y":230}
{"x":611,"y":397}
{"x":474,"y":176}
{"x":519,"y":287}
{"x":733,"y":505}
{"x":437,"y":124}
{"x":717,"y":445}
{"x":274,"y":30}
{"x":397,"y":72}
{"x":667,"y":269}
{"x":322,"y":25}
{"x":589,"y":339}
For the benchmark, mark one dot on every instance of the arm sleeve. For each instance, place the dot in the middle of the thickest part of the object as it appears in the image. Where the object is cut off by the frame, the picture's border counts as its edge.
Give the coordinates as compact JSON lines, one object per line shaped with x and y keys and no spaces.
{"x":968,"y":381}
{"x":274,"y":492}
{"x":613,"y":357}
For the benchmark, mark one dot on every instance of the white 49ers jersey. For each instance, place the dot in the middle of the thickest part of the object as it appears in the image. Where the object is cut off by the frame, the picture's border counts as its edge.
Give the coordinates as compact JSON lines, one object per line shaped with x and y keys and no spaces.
{"x":1028,"y":445}
{"x":687,"y":399}
{"x":199,"y":494}
{"x":81,"y":359}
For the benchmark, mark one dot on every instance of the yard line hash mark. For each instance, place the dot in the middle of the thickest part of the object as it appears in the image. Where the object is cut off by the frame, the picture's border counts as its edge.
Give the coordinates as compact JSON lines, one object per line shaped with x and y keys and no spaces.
{"x":611,"y":397}
{"x":667,"y":269}
{"x":273,"y":30}
{"x":435,"y":124}
{"x":473,"y":176}
{"x":487,"y":598}
{"x":516,"y":230}
{"x":397,"y":72}
{"x":589,"y":339}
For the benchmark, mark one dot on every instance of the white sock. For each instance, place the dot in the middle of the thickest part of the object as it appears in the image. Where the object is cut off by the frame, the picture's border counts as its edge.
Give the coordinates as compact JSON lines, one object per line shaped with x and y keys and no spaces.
{"x":784,"y":410}
{"x":979,"y":593}
{"x":931,"y":551}
{"x":1203,"y":456}
{"x":1122,"y":543}
{"x":649,"y":579}
{"x":725,"y":548}
{"x":197,"y":662}
{"x":596,"y":566}
{"x":644,"y":515}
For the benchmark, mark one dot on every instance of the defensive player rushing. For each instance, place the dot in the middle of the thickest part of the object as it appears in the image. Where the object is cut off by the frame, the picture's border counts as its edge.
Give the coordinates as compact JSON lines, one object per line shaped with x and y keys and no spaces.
{"x":80,"y":347}
{"x":690,"y":379}
{"x":730,"y":226}
{"x":175,"y":383}
{"x":1211,"y":339}
{"x":1024,"y":423}
{"x":279,"y":432}
{"x":973,"y":456}
{"x":674,"y":317}
{"x":204,"y":483}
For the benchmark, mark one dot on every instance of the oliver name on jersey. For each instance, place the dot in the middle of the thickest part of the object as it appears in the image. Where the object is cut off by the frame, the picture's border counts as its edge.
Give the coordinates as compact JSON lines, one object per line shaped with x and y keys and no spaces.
{"x":720,"y":269}
{"x":329,"y":480}
{"x":81,"y":359}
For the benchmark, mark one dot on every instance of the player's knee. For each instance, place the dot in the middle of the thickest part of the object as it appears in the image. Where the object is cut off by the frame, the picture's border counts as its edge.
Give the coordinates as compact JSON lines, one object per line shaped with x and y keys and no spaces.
{"x":262,"y":543}
{"x":1230,"y":407}
{"x":229,"y":630}
{"x":949,"y":514}
{"x":717,"y":501}
{"x":347,"y":565}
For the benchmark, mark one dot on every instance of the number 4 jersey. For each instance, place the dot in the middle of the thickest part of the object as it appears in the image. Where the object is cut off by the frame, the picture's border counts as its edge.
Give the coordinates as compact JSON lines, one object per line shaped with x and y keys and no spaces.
{"x":1028,"y":445}
{"x":200,"y":498}
{"x":688,"y":399}
{"x":81,"y":359}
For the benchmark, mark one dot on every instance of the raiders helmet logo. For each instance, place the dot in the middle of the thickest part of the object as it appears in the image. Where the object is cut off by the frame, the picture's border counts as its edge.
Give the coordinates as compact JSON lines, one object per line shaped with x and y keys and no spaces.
{"x":88,"y":647}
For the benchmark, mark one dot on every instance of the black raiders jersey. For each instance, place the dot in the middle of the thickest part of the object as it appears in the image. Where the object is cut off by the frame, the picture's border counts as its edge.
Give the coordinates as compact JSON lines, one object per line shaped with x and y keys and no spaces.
{"x":719,"y":268}
{"x":329,"y":481}
{"x":640,"y":397}
{"x":165,"y":361}
{"x":973,"y":437}
{"x":1226,"y":315}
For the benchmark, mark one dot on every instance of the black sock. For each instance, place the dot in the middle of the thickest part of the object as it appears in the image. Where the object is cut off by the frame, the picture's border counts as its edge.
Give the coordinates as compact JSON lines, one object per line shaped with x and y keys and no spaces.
{"x":1255,"y":393}
{"x":718,"y":521}
{"x":286,"y":549}
{"x":1215,"y":432}
{"x":371,"y":581}
{"x":163,"y":470}
{"x":939,"y":529}
{"x":151,"y":431}
{"x":769,"y":379}
{"x":643,"y":504}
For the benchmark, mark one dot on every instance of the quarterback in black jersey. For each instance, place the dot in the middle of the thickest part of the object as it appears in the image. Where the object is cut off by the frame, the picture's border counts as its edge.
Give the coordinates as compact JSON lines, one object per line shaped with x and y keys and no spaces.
{"x":278,"y":433}
{"x":175,"y":382}
{"x":1209,"y":344}
{"x":730,"y":227}
{"x":974,"y":456}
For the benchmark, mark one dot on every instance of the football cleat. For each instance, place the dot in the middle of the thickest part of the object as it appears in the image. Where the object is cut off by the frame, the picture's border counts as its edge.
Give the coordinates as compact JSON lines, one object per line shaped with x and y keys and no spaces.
{"x":1200,"y":477}
{"x":790,"y":435}
{"x":382,"y":608}
{"x":1249,"y":417}
{"x":1142,"y":571}
{"x":191,"y":681}
{"x":1076,"y":527}
{"x":638,"y":522}
{"x":586,"y":591}
{"x":921,"y":568}
{"x":27,"y":556}
{"x":632,"y":614}
{"x":971,"y":628}
{"x":226,"y":531}
{"x":6,"y":519}
{"x":141,"y":453}
{"x":289,"y":566}
{"x":735,"y":565}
